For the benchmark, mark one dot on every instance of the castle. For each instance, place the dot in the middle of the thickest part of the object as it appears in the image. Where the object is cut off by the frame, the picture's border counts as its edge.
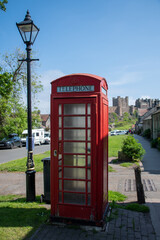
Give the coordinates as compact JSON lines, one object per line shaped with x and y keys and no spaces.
{"x":121,"y":105}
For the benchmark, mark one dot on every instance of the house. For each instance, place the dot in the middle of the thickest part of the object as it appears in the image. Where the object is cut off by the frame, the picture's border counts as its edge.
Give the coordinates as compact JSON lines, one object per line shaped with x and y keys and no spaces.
{"x":156,"y":124}
{"x":45,"y":119}
{"x":145,"y":121}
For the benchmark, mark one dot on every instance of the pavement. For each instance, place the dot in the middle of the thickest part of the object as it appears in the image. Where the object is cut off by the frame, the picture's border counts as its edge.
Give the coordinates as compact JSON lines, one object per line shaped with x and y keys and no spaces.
{"x":122,"y":224}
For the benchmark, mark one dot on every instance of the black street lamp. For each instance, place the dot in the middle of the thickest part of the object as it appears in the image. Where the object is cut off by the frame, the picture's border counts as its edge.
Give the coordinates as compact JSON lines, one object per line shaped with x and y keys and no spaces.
{"x":29,"y":32}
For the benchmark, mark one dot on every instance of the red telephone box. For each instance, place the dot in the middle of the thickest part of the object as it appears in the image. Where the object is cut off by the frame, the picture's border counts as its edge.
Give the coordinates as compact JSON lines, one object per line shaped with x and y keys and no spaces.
{"x":79,"y":147}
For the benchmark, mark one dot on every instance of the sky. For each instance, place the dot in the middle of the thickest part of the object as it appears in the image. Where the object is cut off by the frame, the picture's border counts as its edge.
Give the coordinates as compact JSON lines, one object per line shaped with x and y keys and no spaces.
{"x":115,"y":39}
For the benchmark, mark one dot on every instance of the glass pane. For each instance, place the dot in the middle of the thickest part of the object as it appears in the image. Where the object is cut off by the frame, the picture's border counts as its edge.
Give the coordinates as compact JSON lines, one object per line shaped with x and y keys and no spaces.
{"x":74,"y":109}
{"x":88,"y":122}
{"x":74,"y":186}
{"x":89,"y":109}
{"x":88,"y":147}
{"x":60,"y":122}
{"x":60,"y":134}
{"x":74,"y":134}
{"x":60,"y":197}
{"x":89,"y":174}
{"x":59,"y":162}
{"x":59,"y":159}
{"x":78,"y":122}
{"x":74,"y":160}
{"x":89,"y":199}
{"x":34,"y":33}
{"x":89,"y":187}
{"x":89,"y":160}
{"x":89,"y":135}
{"x":60,"y":184}
{"x":60,"y":156}
{"x":60,"y":172}
{"x":75,"y":173}
{"x":74,"y":147}
{"x":60,"y":109}
{"x":74,"y":198}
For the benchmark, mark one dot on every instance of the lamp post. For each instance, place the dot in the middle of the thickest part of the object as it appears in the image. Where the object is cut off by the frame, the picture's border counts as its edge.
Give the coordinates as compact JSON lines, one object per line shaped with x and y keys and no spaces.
{"x":29,"y":32}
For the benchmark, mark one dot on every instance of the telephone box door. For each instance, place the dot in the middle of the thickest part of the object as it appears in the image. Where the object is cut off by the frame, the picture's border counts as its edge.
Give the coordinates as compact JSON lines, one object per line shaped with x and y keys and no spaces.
{"x":73,"y":185}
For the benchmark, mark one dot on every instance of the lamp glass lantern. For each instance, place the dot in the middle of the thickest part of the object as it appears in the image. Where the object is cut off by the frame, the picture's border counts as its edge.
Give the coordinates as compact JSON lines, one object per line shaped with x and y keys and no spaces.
{"x":28,"y":30}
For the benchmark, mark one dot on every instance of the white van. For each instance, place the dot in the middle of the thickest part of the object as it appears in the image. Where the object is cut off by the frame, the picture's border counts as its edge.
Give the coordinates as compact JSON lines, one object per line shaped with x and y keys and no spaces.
{"x":37,"y":134}
{"x":47,"y":137}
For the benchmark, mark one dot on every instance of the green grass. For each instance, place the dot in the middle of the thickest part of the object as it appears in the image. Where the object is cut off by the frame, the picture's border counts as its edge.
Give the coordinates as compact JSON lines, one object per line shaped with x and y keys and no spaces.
{"x":116,"y":196}
{"x":125,"y":125}
{"x":115,"y":144}
{"x":19,"y":219}
{"x":110,"y":169}
{"x":20,"y":164}
{"x":131,"y":206}
{"x":129,"y":164}
{"x":126,"y":164}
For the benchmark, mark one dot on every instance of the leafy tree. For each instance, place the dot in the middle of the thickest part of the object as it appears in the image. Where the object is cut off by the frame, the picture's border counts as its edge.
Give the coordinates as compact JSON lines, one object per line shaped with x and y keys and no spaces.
{"x":6,"y":84}
{"x":2,"y":5}
{"x":18,"y":69}
{"x":126,"y":116}
{"x":135,"y":114}
{"x":113,"y":117}
{"x":13,"y":84}
{"x":36,"y":120}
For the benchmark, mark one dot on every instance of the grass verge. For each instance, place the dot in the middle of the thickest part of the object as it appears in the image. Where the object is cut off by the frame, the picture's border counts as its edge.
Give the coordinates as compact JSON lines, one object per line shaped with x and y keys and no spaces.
{"x":131,"y":206}
{"x":116,"y":196}
{"x":115,"y":144}
{"x":110,"y":169}
{"x":129,"y":164}
{"x":20,"y":219}
{"x":20,"y":164}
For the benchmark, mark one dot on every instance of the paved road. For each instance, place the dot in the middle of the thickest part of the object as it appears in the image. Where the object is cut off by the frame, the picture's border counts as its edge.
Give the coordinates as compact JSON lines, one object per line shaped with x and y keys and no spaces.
{"x":7,"y":155}
{"x":151,"y":176}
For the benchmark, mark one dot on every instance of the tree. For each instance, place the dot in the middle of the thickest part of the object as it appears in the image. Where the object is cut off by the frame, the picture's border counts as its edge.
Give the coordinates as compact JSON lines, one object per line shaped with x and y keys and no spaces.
{"x":18,"y":70}
{"x":13,"y":83}
{"x":126,"y":116}
{"x":2,"y":5}
{"x":113,"y":118}
{"x":6,"y":84}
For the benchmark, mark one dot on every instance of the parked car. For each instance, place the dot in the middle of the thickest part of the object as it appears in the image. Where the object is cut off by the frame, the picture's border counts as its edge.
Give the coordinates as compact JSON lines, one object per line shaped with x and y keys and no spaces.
{"x":117,"y":132}
{"x":114,"y":133}
{"x":121,"y":132}
{"x":13,"y":140}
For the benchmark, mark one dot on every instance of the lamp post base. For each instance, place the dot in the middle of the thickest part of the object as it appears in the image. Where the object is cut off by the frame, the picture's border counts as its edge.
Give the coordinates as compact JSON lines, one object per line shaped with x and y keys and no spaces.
{"x":30,"y":186}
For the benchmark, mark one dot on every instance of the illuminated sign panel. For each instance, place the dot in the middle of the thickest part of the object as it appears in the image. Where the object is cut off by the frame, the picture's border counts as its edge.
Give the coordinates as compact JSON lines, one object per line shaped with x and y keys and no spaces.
{"x":89,"y":88}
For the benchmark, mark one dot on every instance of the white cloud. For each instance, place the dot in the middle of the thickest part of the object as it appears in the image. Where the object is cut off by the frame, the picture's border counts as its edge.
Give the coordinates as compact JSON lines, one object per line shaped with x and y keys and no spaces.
{"x":144,"y":97}
{"x":126,"y":78}
{"x":132,"y":100}
{"x":44,"y":97}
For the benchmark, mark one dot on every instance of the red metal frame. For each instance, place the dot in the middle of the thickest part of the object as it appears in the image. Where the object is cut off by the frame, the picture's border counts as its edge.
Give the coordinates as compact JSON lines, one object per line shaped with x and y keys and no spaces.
{"x":97,"y":98}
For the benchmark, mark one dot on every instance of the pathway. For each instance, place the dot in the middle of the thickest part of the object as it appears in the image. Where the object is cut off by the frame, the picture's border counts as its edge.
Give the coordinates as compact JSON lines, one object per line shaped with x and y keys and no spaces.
{"x":151,"y":180}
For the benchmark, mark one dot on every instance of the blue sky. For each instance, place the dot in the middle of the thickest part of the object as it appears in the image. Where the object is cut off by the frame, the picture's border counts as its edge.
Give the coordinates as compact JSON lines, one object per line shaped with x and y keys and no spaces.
{"x":115,"y":39}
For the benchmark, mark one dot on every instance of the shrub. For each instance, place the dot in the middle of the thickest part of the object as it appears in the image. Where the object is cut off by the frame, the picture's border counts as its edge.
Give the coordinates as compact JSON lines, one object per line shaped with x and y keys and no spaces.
{"x":132,"y":148}
{"x":154,"y":143}
{"x":139,"y":131}
{"x":147,"y":133}
{"x":158,"y":144}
